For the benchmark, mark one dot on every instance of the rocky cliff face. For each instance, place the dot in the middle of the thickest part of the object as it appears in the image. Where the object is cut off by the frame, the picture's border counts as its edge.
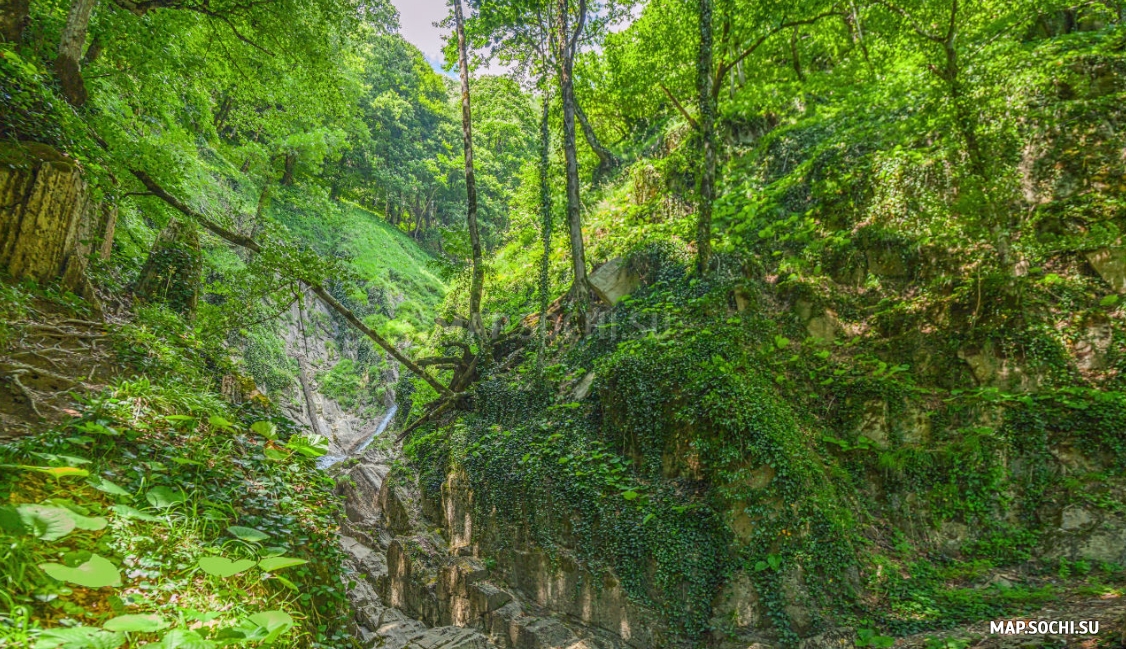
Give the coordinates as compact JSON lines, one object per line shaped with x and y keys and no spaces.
{"x":424,"y":579}
{"x":308,"y":332}
{"x":49,"y":226}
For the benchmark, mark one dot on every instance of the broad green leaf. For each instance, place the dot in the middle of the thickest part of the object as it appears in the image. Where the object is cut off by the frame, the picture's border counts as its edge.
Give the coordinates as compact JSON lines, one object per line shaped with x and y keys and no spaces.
{"x":46,"y":523}
{"x":275,"y":454}
{"x":91,"y":523}
{"x":125,"y":511}
{"x":274,"y":622}
{"x":105,"y":486}
{"x":248,"y":533}
{"x":630,"y":495}
{"x":270,"y":564}
{"x":308,"y":445}
{"x":165,"y":497}
{"x":219,"y":422}
{"x":223,"y":567}
{"x":97,"y":572}
{"x":142,"y":623}
{"x":79,"y":637}
{"x":267,"y":429}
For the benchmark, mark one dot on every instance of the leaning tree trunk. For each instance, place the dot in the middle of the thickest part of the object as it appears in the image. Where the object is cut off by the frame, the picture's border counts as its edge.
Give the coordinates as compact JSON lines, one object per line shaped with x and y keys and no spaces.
{"x":579,"y":290}
{"x":707,"y":140}
{"x":67,"y":64}
{"x":478,"y":280}
{"x":607,"y":161}
{"x":13,"y":19}
{"x":171,"y":274}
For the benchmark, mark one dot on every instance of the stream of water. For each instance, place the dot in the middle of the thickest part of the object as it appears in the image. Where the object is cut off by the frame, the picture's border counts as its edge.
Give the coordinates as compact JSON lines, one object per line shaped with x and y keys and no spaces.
{"x":326,"y":461}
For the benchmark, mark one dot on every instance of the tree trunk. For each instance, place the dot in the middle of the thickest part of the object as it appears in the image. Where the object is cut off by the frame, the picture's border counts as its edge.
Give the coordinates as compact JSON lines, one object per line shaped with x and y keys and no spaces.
{"x":13,"y":19}
{"x":795,"y":55}
{"x":607,"y":161}
{"x":545,"y":225}
{"x":477,"y":282}
{"x":67,"y":65}
{"x":579,"y":290}
{"x":290,"y":167}
{"x":707,"y":140}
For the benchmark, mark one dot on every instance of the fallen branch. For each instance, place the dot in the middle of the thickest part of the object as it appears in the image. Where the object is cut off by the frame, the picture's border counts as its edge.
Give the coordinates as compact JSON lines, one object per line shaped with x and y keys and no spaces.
{"x":252,"y":245}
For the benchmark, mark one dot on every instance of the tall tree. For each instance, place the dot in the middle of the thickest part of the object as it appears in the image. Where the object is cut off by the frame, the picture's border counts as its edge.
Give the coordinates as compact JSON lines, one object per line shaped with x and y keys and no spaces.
{"x":545,"y":218}
{"x":478,"y":280}
{"x":567,"y":39}
{"x":707,"y":139}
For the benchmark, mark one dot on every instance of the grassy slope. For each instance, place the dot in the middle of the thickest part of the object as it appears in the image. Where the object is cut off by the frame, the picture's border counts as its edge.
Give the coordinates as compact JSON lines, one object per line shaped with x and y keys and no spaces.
{"x":384,"y":257}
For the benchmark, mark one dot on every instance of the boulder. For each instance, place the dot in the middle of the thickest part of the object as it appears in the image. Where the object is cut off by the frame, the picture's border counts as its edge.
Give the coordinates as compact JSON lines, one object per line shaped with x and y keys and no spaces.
{"x":1110,"y":264}
{"x":613,"y":280}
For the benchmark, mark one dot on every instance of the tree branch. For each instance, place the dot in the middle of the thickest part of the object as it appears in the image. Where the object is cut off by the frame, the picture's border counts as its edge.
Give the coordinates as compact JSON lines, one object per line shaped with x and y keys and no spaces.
{"x":676,"y":102}
{"x":724,"y":68}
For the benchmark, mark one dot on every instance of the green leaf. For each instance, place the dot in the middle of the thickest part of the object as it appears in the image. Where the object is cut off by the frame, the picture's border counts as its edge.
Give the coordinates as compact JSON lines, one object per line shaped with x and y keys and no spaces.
{"x":219,"y":422}
{"x":46,"y":523}
{"x":248,"y":534}
{"x":270,"y":564}
{"x":105,"y":486}
{"x":10,"y":521}
{"x":143,"y":623}
{"x":274,"y":454}
{"x":630,"y":495}
{"x":287,"y":583}
{"x":125,"y":511}
{"x":274,"y":622}
{"x":267,"y":429}
{"x":97,"y":572}
{"x":183,"y":460}
{"x":1109,"y":300}
{"x":183,"y":639}
{"x":90,"y":523}
{"x":308,"y":445}
{"x":781,"y":342}
{"x":165,"y":497}
{"x":57,"y":472}
{"x":223,"y":567}
{"x":79,"y":637}
{"x":179,"y":418}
